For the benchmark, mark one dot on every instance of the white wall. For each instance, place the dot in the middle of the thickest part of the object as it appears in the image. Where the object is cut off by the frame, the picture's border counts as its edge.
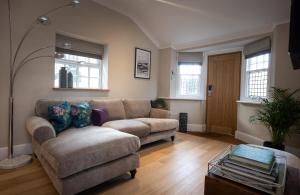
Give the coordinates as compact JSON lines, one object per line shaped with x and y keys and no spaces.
{"x":245,"y":111}
{"x":90,"y":22}
{"x":283,"y":76}
{"x":194,"y":108}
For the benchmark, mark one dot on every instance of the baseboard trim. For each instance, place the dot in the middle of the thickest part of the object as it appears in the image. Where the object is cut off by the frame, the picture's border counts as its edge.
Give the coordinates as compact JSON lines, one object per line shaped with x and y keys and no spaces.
{"x":245,"y":137}
{"x":196,"y":127}
{"x":18,"y":150}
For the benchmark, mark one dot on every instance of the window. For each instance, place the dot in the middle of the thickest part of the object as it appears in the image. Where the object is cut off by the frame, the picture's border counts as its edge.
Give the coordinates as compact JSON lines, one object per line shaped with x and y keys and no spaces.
{"x":84,"y":60}
{"x":188,"y":80}
{"x":257,"y":76}
{"x":86,"y":70}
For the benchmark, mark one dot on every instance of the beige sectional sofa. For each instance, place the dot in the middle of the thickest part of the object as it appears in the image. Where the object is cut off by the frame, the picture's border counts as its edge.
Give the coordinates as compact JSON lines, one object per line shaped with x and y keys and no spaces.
{"x":80,"y":158}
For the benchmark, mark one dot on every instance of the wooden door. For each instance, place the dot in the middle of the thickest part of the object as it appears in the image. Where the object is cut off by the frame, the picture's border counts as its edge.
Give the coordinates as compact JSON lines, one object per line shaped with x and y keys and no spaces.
{"x":223,"y":90}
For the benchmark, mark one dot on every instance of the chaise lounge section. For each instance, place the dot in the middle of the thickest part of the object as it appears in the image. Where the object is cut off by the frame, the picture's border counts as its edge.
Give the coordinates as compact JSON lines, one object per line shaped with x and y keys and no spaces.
{"x":80,"y":158}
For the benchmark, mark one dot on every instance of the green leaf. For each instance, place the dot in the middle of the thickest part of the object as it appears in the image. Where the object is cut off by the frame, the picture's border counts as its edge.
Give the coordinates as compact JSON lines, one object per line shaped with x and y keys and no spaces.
{"x":279,"y":113}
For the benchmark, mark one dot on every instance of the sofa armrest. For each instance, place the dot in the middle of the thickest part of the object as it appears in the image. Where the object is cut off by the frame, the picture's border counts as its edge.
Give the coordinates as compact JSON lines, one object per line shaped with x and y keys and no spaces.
{"x":40,"y":129}
{"x":159,"y":113}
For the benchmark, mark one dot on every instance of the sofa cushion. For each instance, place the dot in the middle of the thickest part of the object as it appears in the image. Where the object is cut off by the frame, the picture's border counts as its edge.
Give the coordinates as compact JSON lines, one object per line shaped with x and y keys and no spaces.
{"x":137,"y":108}
{"x":60,"y":116}
{"x":158,"y":125}
{"x":75,"y":150}
{"x":81,"y":114}
{"x":159,"y":113}
{"x":41,"y":106}
{"x":99,"y":116}
{"x":115,"y":108}
{"x":133,"y":127}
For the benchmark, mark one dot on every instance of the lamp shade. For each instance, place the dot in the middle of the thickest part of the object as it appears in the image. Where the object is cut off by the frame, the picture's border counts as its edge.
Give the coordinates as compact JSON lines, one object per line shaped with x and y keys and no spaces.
{"x":75,"y":3}
{"x":43,"y":20}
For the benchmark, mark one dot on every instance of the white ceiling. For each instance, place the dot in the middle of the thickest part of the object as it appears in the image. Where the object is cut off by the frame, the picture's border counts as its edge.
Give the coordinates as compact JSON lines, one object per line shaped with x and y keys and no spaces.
{"x":185,"y":24}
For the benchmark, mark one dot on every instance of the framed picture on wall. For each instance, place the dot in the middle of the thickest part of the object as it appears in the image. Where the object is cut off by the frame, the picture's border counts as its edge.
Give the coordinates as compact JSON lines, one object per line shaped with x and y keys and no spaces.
{"x":142,"y":68}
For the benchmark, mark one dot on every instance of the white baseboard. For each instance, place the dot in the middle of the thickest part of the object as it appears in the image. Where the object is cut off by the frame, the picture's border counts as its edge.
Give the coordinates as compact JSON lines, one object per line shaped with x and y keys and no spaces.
{"x":18,"y":150}
{"x":245,"y":137}
{"x":196,"y":127}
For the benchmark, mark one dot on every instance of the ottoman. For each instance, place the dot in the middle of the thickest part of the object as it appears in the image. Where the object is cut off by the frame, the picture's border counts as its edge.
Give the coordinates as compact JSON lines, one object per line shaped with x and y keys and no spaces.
{"x":78,"y":159}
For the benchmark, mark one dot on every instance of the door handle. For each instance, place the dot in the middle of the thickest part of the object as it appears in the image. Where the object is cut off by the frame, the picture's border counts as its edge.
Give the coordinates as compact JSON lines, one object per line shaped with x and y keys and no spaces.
{"x":209,"y":90}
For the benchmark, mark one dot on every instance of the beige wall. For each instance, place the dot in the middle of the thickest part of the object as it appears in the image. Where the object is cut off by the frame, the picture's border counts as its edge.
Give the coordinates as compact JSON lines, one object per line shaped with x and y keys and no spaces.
{"x":165,"y":62}
{"x":245,"y":111}
{"x":166,"y":88}
{"x":91,"y":22}
{"x":283,"y":76}
{"x":194,"y":108}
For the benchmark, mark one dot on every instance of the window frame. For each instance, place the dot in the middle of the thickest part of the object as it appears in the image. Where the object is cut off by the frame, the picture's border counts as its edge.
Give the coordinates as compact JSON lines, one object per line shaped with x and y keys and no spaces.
{"x":177,"y":85}
{"x":247,"y":77}
{"x":77,"y":64}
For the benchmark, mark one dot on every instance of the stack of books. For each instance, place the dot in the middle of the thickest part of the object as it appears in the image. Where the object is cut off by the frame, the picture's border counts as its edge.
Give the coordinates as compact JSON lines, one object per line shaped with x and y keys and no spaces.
{"x":253,"y":166}
{"x":252,"y":161}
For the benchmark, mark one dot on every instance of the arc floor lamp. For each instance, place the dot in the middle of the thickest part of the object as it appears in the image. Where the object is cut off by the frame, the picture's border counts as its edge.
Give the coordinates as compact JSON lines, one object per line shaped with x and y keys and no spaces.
{"x":15,"y":66}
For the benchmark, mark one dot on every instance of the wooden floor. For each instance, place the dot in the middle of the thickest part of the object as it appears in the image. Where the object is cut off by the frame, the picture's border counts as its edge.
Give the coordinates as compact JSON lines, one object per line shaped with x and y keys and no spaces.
{"x":166,"y":168}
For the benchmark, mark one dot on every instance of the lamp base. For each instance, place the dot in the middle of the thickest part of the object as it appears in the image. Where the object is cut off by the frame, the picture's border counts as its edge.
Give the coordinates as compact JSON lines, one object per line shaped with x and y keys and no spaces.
{"x":16,"y":162}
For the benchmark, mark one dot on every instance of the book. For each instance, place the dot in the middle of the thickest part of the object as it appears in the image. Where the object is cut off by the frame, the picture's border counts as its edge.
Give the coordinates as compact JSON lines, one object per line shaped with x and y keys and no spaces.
{"x":253,"y":156}
{"x":251,"y":182}
{"x":247,"y":166}
{"x":273,"y":175}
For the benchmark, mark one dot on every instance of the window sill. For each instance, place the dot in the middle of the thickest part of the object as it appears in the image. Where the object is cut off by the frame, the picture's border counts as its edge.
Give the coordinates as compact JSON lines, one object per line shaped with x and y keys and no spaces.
{"x":182,"y":99}
{"x":249,"y":102}
{"x":79,"y":89}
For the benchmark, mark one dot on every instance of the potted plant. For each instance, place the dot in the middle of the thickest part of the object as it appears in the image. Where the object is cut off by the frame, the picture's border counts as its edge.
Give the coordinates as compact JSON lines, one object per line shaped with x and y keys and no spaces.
{"x":159,"y":103}
{"x":279,"y":114}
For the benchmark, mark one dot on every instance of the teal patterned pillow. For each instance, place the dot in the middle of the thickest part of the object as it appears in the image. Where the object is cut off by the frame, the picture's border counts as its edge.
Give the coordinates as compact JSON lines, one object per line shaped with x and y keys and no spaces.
{"x":81,"y":114}
{"x":60,"y":116}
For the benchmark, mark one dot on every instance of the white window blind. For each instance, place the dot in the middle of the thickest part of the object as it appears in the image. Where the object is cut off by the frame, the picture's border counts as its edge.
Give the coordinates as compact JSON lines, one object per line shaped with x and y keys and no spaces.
{"x":259,"y":47}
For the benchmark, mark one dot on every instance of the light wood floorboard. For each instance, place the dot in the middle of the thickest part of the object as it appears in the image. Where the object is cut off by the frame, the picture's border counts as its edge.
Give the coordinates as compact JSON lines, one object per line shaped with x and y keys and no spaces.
{"x":166,"y":168}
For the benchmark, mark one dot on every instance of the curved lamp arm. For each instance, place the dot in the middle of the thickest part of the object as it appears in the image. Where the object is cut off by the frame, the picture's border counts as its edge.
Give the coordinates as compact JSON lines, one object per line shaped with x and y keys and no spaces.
{"x":43,"y":19}
{"x":31,"y":54}
{"x":31,"y":27}
{"x":12,"y":61}
{"x":25,"y":62}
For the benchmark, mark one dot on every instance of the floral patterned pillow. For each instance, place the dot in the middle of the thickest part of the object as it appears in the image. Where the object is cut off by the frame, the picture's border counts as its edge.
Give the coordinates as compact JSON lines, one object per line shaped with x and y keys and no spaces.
{"x":81,"y":114}
{"x":60,"y":116}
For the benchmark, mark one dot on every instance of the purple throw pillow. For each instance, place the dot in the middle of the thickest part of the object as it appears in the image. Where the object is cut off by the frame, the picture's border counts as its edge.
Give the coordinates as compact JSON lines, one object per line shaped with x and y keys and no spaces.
{"x":99,"y":116}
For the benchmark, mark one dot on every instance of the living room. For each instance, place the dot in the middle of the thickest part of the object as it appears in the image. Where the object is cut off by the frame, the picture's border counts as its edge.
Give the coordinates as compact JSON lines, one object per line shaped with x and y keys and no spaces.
{"x":153,"y":66}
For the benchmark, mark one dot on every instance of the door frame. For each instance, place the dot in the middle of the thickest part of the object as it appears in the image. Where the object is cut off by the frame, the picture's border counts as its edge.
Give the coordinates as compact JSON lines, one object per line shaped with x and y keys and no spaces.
{"x":219,"y":52}
{"x":223,"y":52}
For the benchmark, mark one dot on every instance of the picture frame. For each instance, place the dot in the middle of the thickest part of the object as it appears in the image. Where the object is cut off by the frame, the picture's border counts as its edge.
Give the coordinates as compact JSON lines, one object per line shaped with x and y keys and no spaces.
{"x":142,"y":65}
